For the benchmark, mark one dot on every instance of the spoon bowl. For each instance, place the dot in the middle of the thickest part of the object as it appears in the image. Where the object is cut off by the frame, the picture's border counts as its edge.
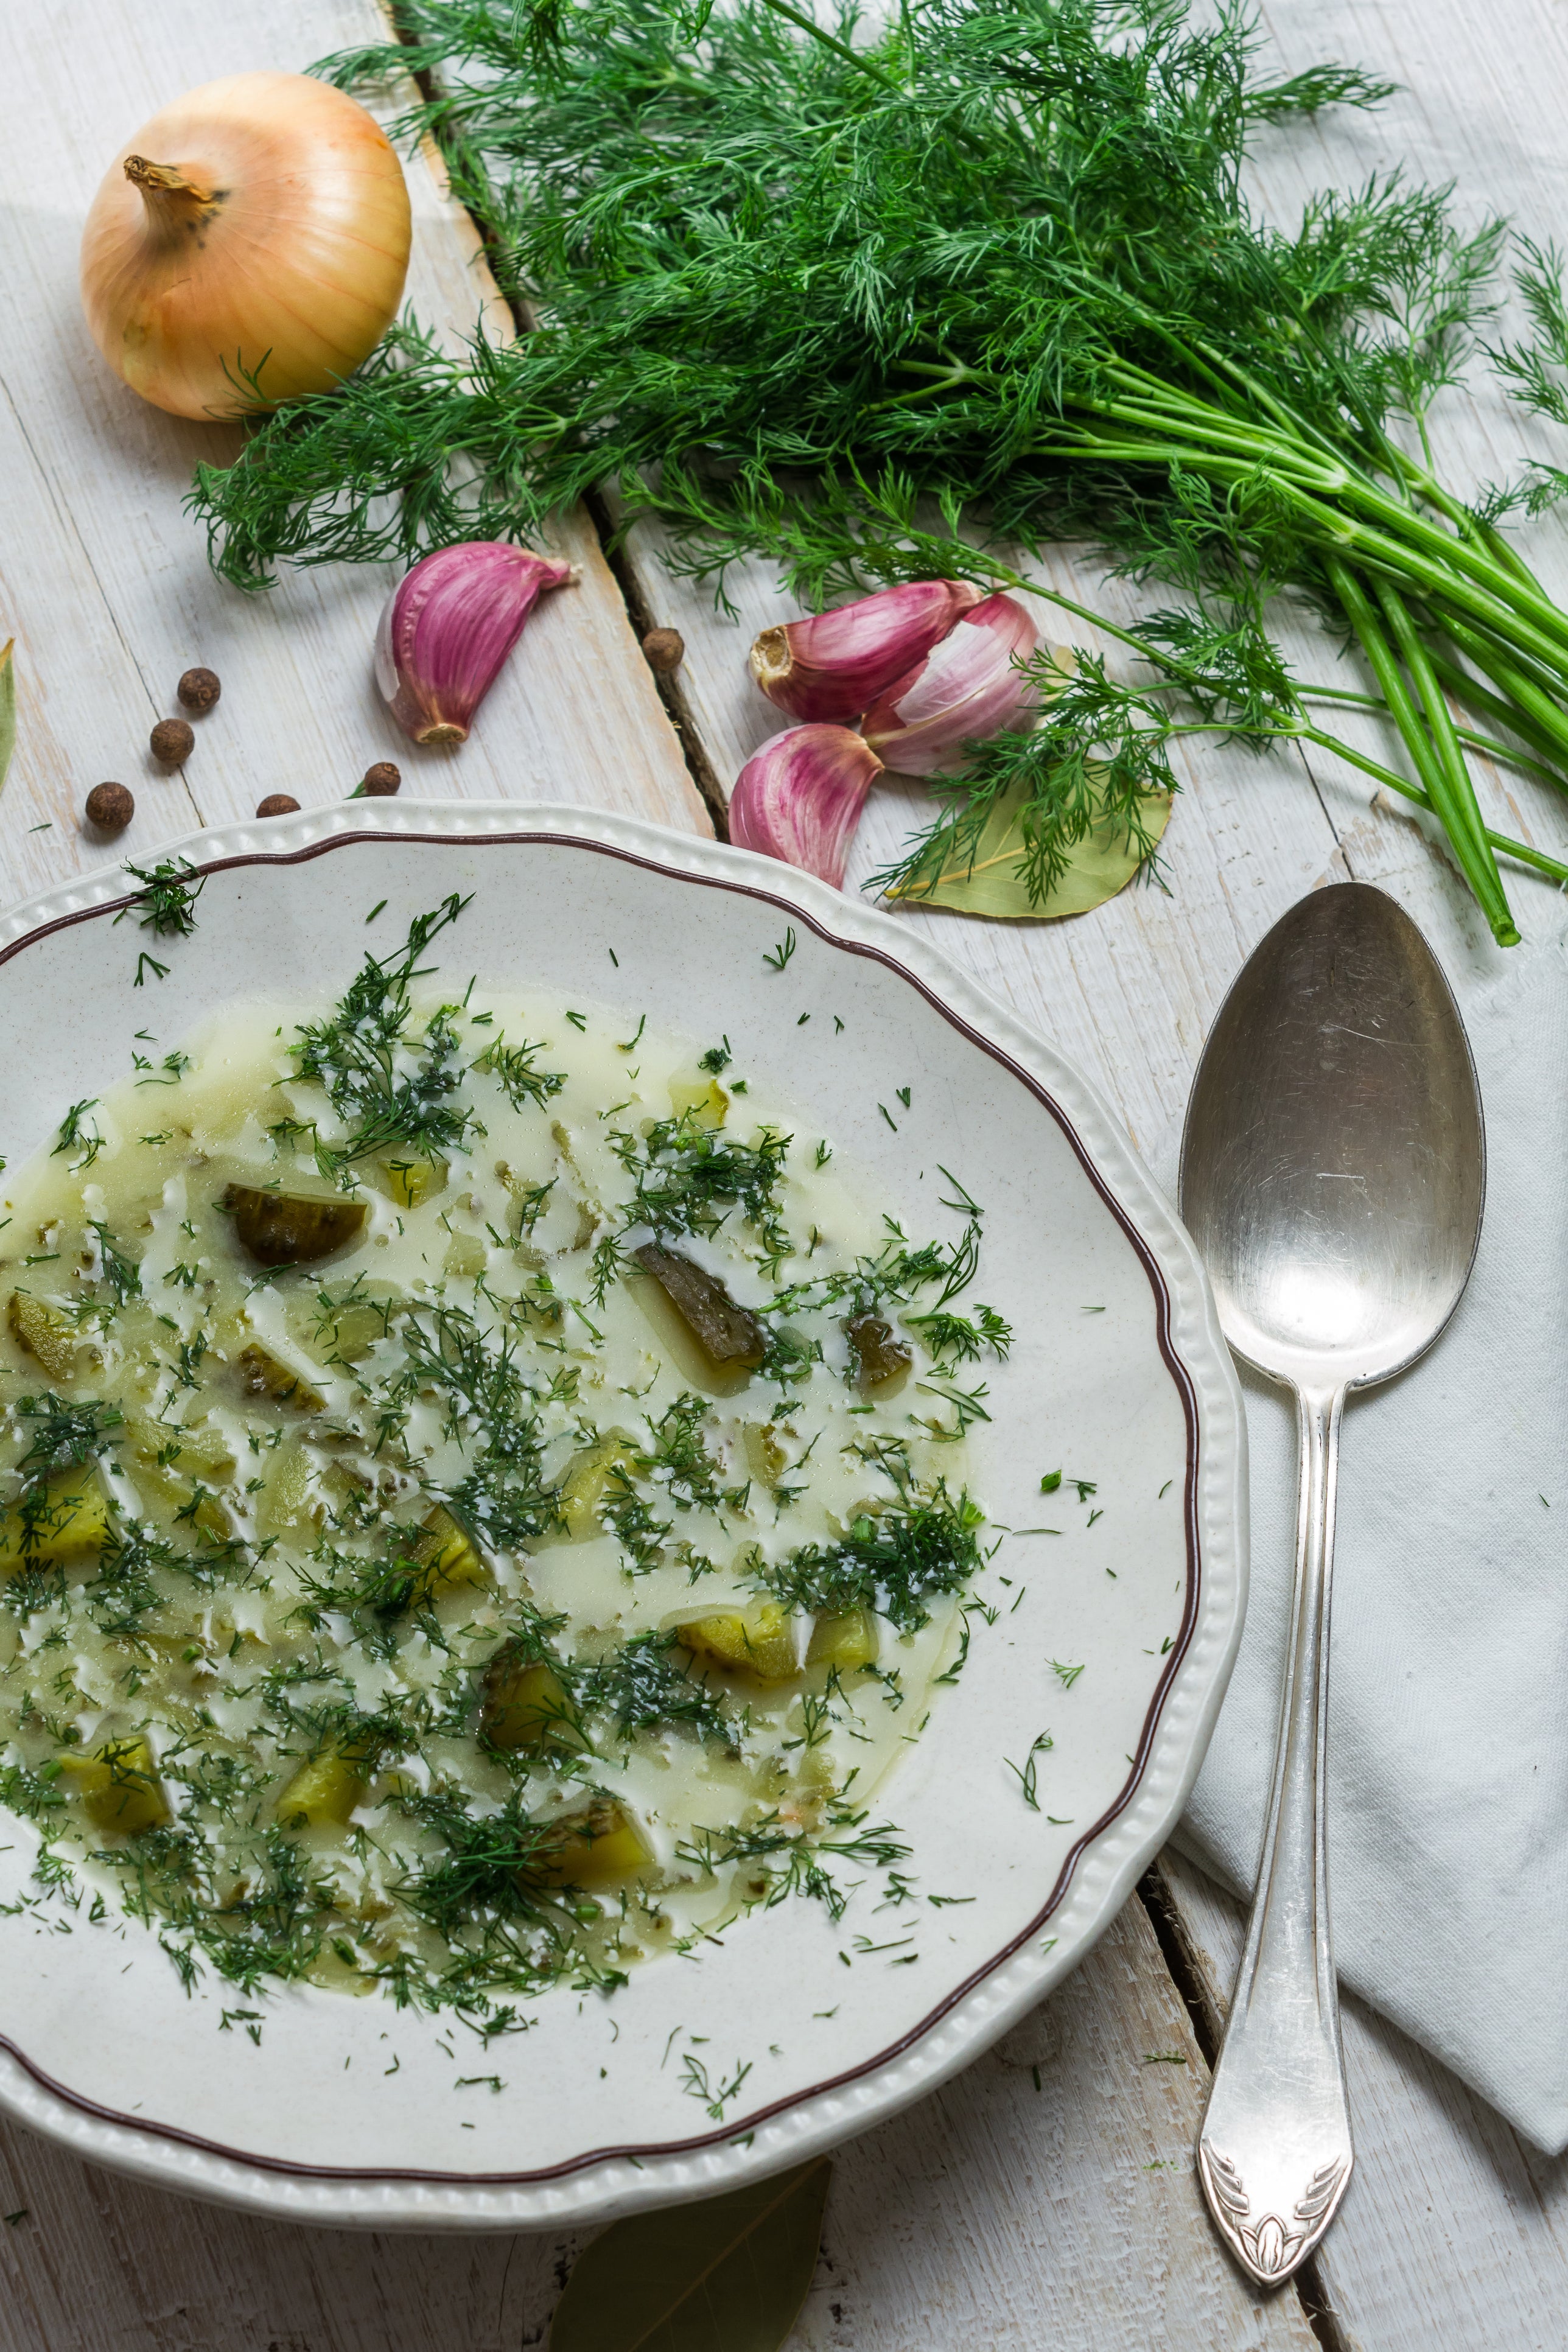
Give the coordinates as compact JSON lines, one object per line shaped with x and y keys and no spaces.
{"x":1334,"y":1173}
{"x":1333,"y":1164}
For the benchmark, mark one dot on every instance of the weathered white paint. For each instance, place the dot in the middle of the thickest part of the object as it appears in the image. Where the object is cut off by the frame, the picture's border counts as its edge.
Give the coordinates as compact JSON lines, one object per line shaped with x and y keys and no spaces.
{"x":996,"y":2214}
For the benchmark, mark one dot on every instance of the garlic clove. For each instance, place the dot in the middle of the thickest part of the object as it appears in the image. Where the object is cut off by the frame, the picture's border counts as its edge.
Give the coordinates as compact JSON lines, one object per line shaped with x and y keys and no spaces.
{"x":830,"y":666}
{"x":799,"y":798}
{"x":966,"y":688}
{"x":449,"y":626}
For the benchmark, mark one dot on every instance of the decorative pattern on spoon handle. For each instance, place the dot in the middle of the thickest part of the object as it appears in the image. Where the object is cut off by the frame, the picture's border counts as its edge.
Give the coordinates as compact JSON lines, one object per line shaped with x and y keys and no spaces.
{"x":1275,"y":2154}
{"x":1271,"y":2247}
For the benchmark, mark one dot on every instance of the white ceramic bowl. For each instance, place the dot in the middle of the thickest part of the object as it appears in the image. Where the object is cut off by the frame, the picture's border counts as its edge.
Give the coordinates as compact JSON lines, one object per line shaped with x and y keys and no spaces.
{"x":349,"y":2110}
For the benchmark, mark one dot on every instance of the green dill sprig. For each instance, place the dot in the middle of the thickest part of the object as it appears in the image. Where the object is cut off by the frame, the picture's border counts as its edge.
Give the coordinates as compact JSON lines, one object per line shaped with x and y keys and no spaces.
{"x":895,"y":1563}
{"x":677,"y":1456}
{"x":67,"y":1434}
{"x":688,"y":1177}
{"x":874,"y":302}
{"x":488,"y":1869}
{"x":356,"y":1057}
{"x":491,"y":1404}
{"x":166,"y":905}
{"x":793,"y":1864}
{"x":960,"y":1339}
{"x":514,"y":1066}
{"x":120,"y":1275}
{"x":78,"y":1132}
{"x":641,"y":1686}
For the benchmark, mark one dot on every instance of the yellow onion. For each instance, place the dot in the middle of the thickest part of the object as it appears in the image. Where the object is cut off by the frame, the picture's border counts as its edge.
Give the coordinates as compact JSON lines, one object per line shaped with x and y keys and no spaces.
{"x":248,"y":246}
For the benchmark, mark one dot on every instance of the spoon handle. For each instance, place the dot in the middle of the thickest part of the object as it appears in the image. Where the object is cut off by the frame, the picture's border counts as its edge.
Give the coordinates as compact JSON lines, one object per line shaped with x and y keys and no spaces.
{"x":1275,"y":2153}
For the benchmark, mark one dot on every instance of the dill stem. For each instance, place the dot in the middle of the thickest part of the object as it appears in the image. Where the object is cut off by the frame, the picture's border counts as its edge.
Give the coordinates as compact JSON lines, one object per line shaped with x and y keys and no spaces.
{"x":1507,"y":616}
{"x":1508,"y":555}
{"x":1523,"y":689}
{"x":1488,"y":560}
{"x":1549,"y":740}
{"x":1393,"y":535}
{"x":1501,"y":843}
{"x":1442,"y":792}
{"x":803,"y":24}
{"x":1552,"y":867}
{"x":1458,"y":787}
{"x":1465,"y":688}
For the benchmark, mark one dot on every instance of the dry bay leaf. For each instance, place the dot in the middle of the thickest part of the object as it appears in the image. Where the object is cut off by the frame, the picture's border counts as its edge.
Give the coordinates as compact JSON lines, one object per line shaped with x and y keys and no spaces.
{"x":1103,"y":863}
{"x":724,"y":2275}
{"x":7,"y":705}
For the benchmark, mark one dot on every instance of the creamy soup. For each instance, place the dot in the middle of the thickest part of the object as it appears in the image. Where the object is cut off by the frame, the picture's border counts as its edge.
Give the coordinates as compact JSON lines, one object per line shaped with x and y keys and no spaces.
{"x":485,"y":1494}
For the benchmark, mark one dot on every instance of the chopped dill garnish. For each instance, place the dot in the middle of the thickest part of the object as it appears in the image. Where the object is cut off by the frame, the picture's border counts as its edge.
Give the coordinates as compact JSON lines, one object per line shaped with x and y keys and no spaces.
{"x":489,"y":1402}
{"x":894,"y":1563}
{"x":355,"y":1056}
{"x":641,"y":1688}
{"x":1025,"y":1773}
{"x":514,"y":1066}
{"x":794,"y":1864}
{"x":78,"y":1132}
{"x":167,"y":902}
{"x":960,"y":1337}
{"x":688,"y":1177}
{"x":67,"y":1432}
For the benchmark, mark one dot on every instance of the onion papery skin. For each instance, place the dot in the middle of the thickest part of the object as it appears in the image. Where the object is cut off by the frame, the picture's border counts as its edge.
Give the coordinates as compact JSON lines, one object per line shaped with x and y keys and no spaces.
{"x":290,"y":274}
{"x":967,"y":688}
{"x":449,"y":624}
{"x":799,"y":798}
{"x":830,"y":666}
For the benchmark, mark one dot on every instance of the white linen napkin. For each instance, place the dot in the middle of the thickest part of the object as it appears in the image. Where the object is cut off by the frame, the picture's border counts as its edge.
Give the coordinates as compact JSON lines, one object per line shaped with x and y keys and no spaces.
{"x":1448,"y":1705}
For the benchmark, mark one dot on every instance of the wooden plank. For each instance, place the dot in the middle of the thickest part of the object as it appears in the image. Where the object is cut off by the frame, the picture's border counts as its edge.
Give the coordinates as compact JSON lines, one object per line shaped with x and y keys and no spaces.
{"x":1046,"y":2196}
{"x":97,"y":2258}
{"x":575,"y":715}
{"x":82,"y":713}
{"x":999,"y":2215}
{"x":931,"y":2239}
{"x":1454,"y":2230}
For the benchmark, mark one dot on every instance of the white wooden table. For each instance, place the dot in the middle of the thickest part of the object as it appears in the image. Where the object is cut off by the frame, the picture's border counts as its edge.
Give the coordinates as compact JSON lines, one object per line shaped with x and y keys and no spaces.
{"x":1046,"y":2198}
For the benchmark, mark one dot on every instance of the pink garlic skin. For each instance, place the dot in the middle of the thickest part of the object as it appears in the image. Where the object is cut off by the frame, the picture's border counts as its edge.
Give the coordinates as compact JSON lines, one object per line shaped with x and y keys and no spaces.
{"x":831,"y":664}
{"x":965,"y":689}
{"x":799,"y":798}
{"x":449,"y":626}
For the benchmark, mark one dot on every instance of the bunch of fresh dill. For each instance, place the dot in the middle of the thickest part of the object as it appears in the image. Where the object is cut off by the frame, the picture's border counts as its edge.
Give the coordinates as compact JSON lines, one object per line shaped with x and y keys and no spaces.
{"x":874,"y":304}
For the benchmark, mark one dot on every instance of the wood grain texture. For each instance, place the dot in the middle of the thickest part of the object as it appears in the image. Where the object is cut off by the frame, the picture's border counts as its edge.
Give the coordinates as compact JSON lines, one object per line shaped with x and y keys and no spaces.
{"x":995,"y":2214}
{"x":1451,"y":2235}
{"x":1000,"y":2215}
{"x":105,"y":579}
{"x":1454,"y":2231}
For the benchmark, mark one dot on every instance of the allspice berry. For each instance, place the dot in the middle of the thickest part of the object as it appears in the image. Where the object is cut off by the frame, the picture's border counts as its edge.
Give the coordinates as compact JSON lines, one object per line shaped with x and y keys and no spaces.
{"x":381,"y":780}
{"x":276,"y":804}
{"x":173,"y":741}
{"x":110,"y":807}
{"x":664,"y":649}
{"x":199,"y":690}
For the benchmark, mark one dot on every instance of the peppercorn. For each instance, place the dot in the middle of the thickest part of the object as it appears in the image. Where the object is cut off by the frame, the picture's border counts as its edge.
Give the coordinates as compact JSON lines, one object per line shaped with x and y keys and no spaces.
{"x":276,"y":804}
{"x":382,"y":779}
{"x":664,"y":649}
{"x":199,"y":690}
{"x":110,"y":807}
{"x":173,"y":741}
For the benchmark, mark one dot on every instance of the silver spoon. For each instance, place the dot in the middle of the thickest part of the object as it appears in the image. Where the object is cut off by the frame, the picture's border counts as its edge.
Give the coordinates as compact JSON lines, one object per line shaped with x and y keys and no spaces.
{"x":1333,"y":1169}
